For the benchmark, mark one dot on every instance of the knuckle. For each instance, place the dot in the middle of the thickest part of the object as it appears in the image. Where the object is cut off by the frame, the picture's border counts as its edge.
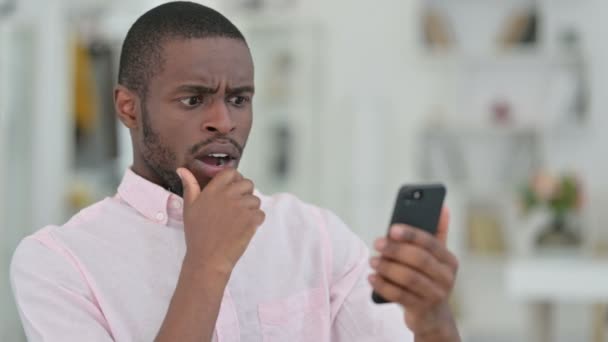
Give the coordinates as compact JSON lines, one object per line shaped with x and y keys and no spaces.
{"x":438,"y":296}
{"x":233,"y":174}
{"x":424,"y":260}
{"x":433,"y":245}
{"x":403,"y":297}
{"x":229,"y":173}
{"x":412,"y":280}
{"x":409,"y":235}
{"x":383,"y":288}
{"x":455,"y":263}
{"x":257,"y":201}
{"x":450,"y":278}
{"x":260,"y":216}
{"x":382,"y":266}
{"x":391,"y":249}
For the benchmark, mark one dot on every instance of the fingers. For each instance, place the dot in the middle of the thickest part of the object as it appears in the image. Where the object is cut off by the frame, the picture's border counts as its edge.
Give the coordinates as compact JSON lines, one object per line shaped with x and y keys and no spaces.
{"x":251,"y":202}
{"x":258,"y":217}
{"x":411,"y":280}
{"x":443,"y":226}
{"x":225,"y":178}
{"x":415,"y":268}
{"x":191,"y":187}
{"x":394,"y":293}
{"x":254,"y":203}
{"x":243,"y":186}
{"x":409,"y":235}
{"x":418,"y":259}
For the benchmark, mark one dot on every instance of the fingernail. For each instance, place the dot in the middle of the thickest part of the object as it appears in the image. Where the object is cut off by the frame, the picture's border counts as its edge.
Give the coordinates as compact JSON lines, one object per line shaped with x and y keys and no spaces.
{"x":179,"y":174}
{"x":380,"y":244}
{"x":375,"y":261}
{"x":372,"y":279}
{"x":397,"y":231}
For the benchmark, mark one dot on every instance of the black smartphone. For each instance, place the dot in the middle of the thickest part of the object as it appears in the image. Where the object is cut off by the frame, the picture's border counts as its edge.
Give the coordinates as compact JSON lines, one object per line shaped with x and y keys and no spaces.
{"x":418,"y":206}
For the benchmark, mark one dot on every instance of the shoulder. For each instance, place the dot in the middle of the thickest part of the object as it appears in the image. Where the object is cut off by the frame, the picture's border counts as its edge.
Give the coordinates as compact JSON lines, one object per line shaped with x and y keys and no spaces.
{"x":107,"y":208}
{"x":300,"y":217}
{"x":46,"y":245}
{"x":41,"y":259}
{"x":288,"y":208}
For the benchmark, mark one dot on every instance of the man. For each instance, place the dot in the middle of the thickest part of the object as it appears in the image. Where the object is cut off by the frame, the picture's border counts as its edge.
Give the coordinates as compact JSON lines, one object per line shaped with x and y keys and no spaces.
{"x":187,"y":250}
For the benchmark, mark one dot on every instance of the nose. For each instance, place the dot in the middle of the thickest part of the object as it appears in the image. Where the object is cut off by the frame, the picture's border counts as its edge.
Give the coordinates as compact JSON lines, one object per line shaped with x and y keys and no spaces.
{"x":217,"y":119}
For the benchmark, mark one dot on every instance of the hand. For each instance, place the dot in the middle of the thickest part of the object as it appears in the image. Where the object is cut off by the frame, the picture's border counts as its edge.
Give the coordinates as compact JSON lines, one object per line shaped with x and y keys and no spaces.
{"x":219,"y":221}
{"x":416,"y":270}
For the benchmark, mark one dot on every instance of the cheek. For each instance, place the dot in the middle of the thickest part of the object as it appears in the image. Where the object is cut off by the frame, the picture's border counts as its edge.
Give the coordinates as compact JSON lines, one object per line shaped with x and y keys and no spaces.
{"x":246,"y":123}
{"x":172,"y":136}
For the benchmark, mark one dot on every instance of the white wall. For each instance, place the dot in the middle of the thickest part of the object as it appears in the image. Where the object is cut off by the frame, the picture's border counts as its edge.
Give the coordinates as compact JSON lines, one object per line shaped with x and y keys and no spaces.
{"x":587,"y":153}
{"x":374,"y":94}
{"x":4,"y":296}
{"x":36,"y":115}
{"x":51,"y":120}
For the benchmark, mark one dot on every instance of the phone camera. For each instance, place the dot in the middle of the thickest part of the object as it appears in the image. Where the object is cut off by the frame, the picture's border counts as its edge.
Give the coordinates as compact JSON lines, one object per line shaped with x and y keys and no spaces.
{"x":417,"y":195}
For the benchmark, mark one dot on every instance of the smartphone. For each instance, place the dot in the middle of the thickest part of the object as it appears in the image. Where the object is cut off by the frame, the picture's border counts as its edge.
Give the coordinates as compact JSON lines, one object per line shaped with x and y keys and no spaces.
{"x":418,"y":206}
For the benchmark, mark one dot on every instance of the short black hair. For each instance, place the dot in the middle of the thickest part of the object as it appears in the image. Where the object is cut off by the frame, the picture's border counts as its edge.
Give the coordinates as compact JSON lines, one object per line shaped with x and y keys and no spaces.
{"x":142,"y":51}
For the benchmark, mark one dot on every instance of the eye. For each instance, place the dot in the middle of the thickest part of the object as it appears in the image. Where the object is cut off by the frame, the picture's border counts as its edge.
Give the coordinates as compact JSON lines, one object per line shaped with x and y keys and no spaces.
{"x":191,"y":101}
{"x":239,"y":101}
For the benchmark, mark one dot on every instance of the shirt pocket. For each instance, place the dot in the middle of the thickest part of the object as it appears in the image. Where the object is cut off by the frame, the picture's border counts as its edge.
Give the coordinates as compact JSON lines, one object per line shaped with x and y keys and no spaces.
{"x":303,"y":317}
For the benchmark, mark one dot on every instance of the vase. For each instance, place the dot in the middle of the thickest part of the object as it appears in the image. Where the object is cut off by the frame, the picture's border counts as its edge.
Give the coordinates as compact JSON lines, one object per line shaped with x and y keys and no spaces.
{"x":559,"y":233}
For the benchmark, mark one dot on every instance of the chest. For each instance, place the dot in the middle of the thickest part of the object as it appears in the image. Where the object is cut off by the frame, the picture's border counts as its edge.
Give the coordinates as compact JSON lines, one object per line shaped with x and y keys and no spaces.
{"x":278,"y":290}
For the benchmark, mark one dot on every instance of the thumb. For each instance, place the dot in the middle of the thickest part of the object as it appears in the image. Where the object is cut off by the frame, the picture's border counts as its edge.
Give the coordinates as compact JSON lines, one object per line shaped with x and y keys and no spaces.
{"x":443,"y":226}
{"x":190,"y":185}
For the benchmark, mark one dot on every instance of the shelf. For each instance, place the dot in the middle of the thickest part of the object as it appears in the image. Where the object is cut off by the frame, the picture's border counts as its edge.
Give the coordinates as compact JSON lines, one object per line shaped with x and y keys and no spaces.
{"x":550,"y":278}
{"x":519,"y":57}
{"x":484,"y":131}
{"x":478,"y":130}
{"x":272,"y":20}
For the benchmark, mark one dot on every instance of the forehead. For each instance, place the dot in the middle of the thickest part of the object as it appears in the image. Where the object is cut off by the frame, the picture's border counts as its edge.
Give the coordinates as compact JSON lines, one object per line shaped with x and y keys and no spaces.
{"x":206,"y":59}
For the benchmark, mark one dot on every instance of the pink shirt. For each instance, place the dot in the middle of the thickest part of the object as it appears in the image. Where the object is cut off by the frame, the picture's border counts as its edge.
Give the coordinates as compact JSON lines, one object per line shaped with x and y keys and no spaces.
{"x":108,"y":274}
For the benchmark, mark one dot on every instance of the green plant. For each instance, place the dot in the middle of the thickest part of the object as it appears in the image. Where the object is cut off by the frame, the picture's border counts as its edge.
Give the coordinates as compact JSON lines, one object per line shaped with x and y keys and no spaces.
{"x":561,"y":194}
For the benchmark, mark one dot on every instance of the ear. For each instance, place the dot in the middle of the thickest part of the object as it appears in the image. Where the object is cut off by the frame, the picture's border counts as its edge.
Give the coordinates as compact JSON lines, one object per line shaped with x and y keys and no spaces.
{"x":126,"y":104}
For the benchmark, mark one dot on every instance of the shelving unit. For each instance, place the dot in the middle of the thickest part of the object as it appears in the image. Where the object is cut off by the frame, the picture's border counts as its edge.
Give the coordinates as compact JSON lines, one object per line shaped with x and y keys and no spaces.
{"x":467,"y":144}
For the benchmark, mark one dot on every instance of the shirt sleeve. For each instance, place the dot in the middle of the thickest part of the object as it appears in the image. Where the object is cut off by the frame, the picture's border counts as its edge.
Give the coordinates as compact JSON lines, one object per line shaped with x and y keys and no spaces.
{"x":52,"y":296}
{"x":355,"y":317}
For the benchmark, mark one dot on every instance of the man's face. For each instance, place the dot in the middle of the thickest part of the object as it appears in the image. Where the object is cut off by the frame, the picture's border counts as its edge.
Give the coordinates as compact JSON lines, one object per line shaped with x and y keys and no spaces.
{"x":197,"y":112}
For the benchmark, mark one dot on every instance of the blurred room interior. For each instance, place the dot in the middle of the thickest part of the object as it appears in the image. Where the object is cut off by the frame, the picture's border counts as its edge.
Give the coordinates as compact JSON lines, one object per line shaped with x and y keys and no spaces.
{"x":501,"y":100}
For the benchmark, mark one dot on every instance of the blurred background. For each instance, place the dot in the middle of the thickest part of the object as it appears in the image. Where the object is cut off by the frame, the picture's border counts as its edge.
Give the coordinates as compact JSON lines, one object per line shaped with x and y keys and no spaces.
{"x":502,"y":100}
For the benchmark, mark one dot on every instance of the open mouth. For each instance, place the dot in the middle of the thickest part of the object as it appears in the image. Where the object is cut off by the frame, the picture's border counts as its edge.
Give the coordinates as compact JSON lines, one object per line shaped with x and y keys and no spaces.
{"x":217,"y":159}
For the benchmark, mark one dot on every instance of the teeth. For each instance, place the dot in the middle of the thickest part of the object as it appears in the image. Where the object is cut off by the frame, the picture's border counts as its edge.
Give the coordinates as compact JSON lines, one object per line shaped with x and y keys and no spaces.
{"x":218,"y":155}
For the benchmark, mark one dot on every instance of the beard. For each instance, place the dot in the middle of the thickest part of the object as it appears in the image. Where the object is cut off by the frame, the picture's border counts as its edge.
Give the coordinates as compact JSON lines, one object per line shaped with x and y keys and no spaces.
{"x":160,"y":159}
{"x":163,"y":162}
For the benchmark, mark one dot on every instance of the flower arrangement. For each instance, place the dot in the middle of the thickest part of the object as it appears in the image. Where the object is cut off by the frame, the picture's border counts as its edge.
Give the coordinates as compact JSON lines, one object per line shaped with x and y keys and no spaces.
{"x":560,"y":194}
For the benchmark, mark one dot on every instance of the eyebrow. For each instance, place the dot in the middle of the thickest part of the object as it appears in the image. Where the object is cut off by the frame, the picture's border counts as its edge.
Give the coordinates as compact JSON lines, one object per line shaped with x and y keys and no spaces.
{"x":199,"y":89}
{"x":240,"y":90}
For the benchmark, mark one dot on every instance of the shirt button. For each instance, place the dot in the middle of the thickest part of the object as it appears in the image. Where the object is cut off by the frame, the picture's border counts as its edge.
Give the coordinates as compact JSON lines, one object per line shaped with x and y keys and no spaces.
{"x":176,"y":204}
{"x":160,"y":216}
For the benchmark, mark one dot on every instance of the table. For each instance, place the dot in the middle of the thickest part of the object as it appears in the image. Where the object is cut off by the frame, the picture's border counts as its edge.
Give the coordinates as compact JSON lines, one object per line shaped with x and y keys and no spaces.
{"x":543,"y":281}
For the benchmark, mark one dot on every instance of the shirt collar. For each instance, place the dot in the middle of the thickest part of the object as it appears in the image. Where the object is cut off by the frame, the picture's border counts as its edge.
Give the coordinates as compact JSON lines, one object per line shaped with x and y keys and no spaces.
{"x":150,"y":200}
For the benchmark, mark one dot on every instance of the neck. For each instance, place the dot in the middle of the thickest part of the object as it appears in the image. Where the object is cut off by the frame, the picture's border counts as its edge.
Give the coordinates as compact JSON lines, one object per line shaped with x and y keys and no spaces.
{"x":143,"y":170}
